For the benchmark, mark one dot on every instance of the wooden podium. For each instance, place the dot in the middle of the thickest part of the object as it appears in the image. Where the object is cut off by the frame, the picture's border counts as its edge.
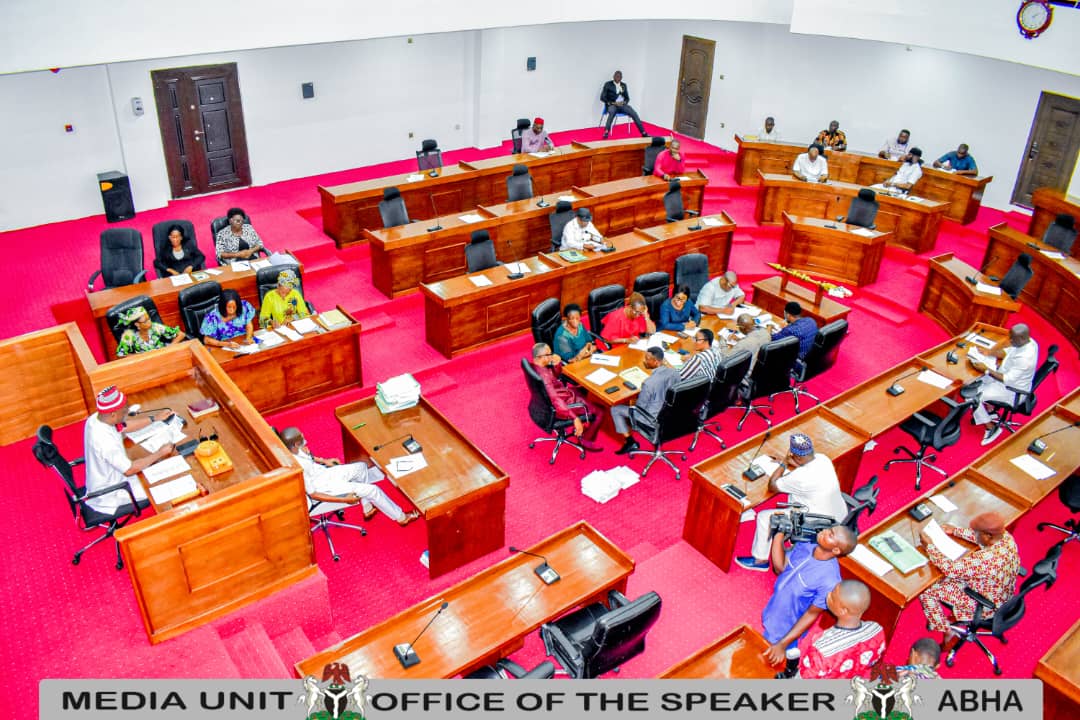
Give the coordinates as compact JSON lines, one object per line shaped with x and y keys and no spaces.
{"x":954,"y":302}
{"x":841,"y":252}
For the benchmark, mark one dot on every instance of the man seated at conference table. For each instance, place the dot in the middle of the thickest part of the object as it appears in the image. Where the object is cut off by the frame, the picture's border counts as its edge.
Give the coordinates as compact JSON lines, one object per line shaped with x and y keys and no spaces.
{"x":535,"y":139}
{"x":959,"y":161}
{"x":720,"y":294}
{"x":811,"y":166}
{"x":572,"y":341}
{"x":629,"y":323}
{"x":907,"y":174}
{"x":833,"y":137}
{"x":231,"y":318}
{"x":679,"y":312}
{"x":705,"y":358}
{"x":581,"y":234}
{"x":895,"y":149}
{"x":144,"y":335}
{"x":799,"y":326}
{"x":284,"y":303}
{"x":649,"y":400}
{"x":669,"y":163}
{"x":569,"y":402}
{"x":753,"y":337}
{"x":769,"y":133}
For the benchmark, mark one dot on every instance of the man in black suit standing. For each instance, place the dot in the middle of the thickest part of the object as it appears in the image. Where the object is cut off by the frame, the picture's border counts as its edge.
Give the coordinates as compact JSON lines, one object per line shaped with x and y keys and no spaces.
{"x":616,"y":97}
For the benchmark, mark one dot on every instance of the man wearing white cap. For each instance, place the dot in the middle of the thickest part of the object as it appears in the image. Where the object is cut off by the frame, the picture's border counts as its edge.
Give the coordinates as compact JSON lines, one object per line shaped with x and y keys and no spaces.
{"x":812,"y":483}
{"x":107,"y":463}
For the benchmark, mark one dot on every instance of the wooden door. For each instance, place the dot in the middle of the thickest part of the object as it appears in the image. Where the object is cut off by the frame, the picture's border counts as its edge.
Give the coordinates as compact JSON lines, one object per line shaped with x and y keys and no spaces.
{"x":202,"y":128}
{"x":695,"y":81}
{"x":1052,"y":146}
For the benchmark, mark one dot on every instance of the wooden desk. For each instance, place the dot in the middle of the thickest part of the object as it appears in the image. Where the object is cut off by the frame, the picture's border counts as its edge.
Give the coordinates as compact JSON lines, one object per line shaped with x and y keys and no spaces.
{"x":244,"y":540}
{"x":461,"y":493}
{"x":489,"y":614}
{"x":842,"y":252}
{"x":292,"y":373}
{"x":772,"y":294}
{"x":734,"y":655}
{"x":914,"y":223}
{"x":164,"y":295}
{"x":1054,"y":288}
{"x":404,"y":257}
{"x":712,"y":515}
{"x":1047,"y":204}
{"x":1059,"y":669}
{"x":890,"y":594}
{"x":936,"y":358}
{"x":962,"y":192}
{"x":954,"y":303}
{"x":349,"y":209}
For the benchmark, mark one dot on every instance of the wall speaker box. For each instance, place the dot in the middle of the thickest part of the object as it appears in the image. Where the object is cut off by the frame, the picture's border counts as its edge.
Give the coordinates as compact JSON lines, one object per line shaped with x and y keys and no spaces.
{"x":116,"y":196}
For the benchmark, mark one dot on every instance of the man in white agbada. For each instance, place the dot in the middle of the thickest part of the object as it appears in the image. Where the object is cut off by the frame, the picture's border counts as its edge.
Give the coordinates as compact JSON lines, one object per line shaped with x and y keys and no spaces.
{"x":1018,"y":358}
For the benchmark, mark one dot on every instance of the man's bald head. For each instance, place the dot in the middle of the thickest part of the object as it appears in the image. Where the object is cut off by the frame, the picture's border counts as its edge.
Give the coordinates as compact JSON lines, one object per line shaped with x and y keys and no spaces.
{"x":854,"y":594}
{"x":292,"y":437}
{"x":745,"y":323}
{"x":1019,"y":335}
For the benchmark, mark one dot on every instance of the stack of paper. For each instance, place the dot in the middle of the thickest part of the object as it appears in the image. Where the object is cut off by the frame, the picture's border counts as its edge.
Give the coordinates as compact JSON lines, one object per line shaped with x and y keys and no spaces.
{"x":289,"y":333}
{"x":305,"y":325}
{"x":932,"y":378}
{"x":673,"y":359}
{"x":517,"y":267}
{"x":751,"y":310}
{"x":397,"y":393}
{"x":870,"y":561}
{"x":158,"y":433}
{"x":660,"y":339}
{"x":711,"y":222}
{"x":1053,"y":254}
{"x":988,"y":289}
{"x":239,"y":265}
{"x":864,"y":232}
{"x":181,"y":279}
{"x":173,"y":465}
{"x":406,"y":465}
{"x":281,"y":259}
{"x":567,"y":198}
{"x":333,"y":319}
{"x":599,"y":486}
{"x":167,"y":492}
{"x":269,"y":338}
{"x":260,"y":264}
{"x":480,"y":280}
{"x":635,"y":375}
{"x":976,"y":356}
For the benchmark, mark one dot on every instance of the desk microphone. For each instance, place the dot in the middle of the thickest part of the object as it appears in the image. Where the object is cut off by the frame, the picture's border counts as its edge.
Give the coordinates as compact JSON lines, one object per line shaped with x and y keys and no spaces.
{"x":1037,"y":445}
{"x":410,"y":444}
{"x":437,"y":226}
{"x":543,"y":203}
{"x":982,"y":271}
{"x":544,"y":571}
{"x":752,"y":471}
{"x":136,"y":410}
{"x":512,"y":275}
{"x":405,"y":653}
{"x":434,"y":172}
{"x":896,"y":388}
{"x":598,"y":339}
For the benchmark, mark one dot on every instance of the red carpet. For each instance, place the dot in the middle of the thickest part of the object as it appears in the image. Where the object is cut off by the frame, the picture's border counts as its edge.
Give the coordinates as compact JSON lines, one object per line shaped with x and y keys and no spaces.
{"x":65,"y":621}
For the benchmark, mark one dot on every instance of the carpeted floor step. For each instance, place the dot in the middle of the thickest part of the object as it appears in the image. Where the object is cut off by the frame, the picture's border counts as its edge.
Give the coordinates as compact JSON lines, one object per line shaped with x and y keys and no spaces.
{"x":254,"y":653}
{"x":293,"y":646}
{"x":883,"y":307}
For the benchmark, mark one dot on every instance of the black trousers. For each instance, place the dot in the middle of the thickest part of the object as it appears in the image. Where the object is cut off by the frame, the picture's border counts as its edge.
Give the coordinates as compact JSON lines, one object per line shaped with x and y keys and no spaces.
{"x":626,"y":110}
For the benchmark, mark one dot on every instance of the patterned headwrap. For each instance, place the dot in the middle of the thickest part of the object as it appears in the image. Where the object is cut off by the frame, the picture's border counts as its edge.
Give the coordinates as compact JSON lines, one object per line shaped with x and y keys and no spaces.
{"x":287,"y":278}
{"x":133,"y":315}
{"x":801,"y":445}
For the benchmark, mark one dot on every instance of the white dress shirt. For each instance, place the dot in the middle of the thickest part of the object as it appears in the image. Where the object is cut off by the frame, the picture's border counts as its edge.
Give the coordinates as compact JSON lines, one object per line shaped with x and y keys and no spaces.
{"x":812,"y":171}
{"x":106,"y":463}
{"x":575,"y":237}
{"x":712,"y":295}
{"x":907,"y":173}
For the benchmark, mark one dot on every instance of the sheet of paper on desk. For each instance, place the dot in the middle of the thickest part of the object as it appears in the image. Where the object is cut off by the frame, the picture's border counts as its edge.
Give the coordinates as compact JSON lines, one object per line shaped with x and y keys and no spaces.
{"x":864,"y":232}
{"x":767,"y":464}
{"x":932,"y":378}
{"x":711,"y":222}
{"x":567,"y":198}
{"x":305,"y":325}
{"x":641,"y":345}
{"x":602,"y":359}
{"x":683,"y":178}
{"x":406,"y":464}
{"x":289,"y":333}
{"x":673,"y":359}
{"x":1034,"y":468}
{"x":269,"y":338}
{"x":260,"y":264}
{"x":871,"y":561}
{"x":517,"y":267}
{"x":542,"y":154}
{"x":414,"y":177}
{"x":635,"y":375}
{"x":600,"y":376}
{"x":240,"y":265}
{"x":164,"y":434}
{"x":181,"y":279}
{"x":974,"y":354}
{"x":1053,"y":254}
{"x":243,"y":349}
{"x":470,"y":218}
{"x":944,"y":503}
{"x":167,"y":492}
{"x":479,"y":280}
{"x":751,"y":310}
{"x":174,"y":465}
{"x":214,"y":271}
{"x":988,"y":289}
{"x":658,"y":339}
{"x":952,"y":549}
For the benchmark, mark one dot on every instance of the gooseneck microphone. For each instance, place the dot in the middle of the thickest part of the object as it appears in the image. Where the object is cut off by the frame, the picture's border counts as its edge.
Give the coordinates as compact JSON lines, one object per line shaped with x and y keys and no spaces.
{"x":1037,"y":445}
{"x":982,"y":271}
{"x":543,"y":203}
{"x":380,"y":446}
{"x":405,"y":653}
{"x":752,"y":471}
{"x":512,"y":275}
{"x":437,"y":226}
{"x":544,"y":571}
{"x":896,"y":388}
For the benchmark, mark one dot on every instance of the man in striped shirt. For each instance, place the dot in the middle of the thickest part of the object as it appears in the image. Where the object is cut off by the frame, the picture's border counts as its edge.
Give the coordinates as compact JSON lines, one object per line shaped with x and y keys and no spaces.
{"x":850,"y":647}
{"x":705,"y":359}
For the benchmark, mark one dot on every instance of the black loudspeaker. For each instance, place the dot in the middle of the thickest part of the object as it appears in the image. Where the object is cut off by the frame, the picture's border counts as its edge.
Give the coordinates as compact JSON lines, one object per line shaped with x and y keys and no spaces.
{"x":116,"y":196}
{"x":307,"y":90}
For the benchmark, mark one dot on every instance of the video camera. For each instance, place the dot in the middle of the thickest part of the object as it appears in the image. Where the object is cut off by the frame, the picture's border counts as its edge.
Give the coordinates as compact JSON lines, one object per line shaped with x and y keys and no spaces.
{"x":798,"y":525}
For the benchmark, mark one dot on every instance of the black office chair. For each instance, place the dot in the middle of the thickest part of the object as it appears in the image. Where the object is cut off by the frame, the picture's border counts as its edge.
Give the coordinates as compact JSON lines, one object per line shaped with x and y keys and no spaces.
{"x":160,"y":232}
{"x":480,"y":252}
{"x":505,"y":668}
{"x":863,"y":209}
{"x":515,"y":135}
{"x":1017,"y":277}
{"x":989,"y":620}
{"x":324,"y":515}
{"x":655,"y":287}
{"x":1061,"y":233}
{"x":1024,"y":400}
{"x":673,"y":204}
{"x":930,"y":431}
{"x":194,"y":302}
{"x":429,"y":156}
{"x":656,"y":146}
{"x":677,"y":417}
{"x":121,"y":259}
{"x":692,"y":269}
{"x":86,"y":517}
{"x":820,"y":357}
{"x":519,"y":184}
{"x":545,"y":320}
{"x":771,"y":375}
{"x":266,"y":280}
{"x":542,"y":413}
{"x":603,"y":300}
{"x":1069,"y":494}
{"x":116,"y":313}
{"x":722,"y":394}
{"x":392,"y":209}
{"x":863,"y":499}
{"x":597,"y":639}
{"x":564,"y":213}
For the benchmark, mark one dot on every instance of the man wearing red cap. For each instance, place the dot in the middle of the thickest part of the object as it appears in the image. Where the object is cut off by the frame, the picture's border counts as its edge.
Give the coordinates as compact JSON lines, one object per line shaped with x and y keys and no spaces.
{"x":107,"y":463}
{"x":990,"y":569}
{"x":535,"y":139}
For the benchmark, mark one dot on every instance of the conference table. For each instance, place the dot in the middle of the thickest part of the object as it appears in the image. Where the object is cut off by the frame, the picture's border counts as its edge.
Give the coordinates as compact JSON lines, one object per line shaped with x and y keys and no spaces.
{"x":489,"y":614}
{"x":1047,"y":203}
{"x":406,"y":256}
{"x":1054,"y":288}
{"x":1059,"y":669}
{"x":460,"y":491}
{"x":349,"y":209}
{"x":468,"y":311}
{"x":955,"y":303}
{"x":713,"y":514}
{"x":963,"y":192}
{"x":833,"y":249}
{"x":735,"y":655}
{"x":913,"y":221}
{"x":773,"y":293}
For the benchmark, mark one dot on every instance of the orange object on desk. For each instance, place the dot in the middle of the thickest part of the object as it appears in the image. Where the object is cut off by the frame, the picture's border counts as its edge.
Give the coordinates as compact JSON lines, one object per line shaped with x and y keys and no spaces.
{"x":213,"y":458}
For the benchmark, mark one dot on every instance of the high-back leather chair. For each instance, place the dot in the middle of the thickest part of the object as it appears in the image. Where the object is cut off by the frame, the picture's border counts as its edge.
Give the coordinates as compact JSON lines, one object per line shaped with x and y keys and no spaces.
{"x":1023,"y":401}
{"x":429,"y":156}
{"x":519,"y":184}
{"x":654,"y":286}
{"x":692,"y":270}
{"x":1061,"y":233}
{"x":542,"y":412}
{"x":1017,"y":277}
{"x":121,"y":259}
{"x":771,"y":375}
{"x":116,"y":313}
{"x":564,"y":213}
{"x":545,"y":320}
{"x":160,"y":232}
{"x":862,"y":499}
{"x":863,"y":209}
{"x":218,"y":224}
{"x":266,"y":280}
{"x":656,"y":146}
{"x":603,"y":300}
{"x":597,"y":639}
{"x":724,"y":390}
{"x":1069,"y":494}
{"x":194,"y":302}
{"x":515,"y":134}
{"x":673,"y":204}
{"x":678,"y":416}
{"x":480,"y":252}
{"x":931,"y":430}
{"x":821,"y":356}
{"x":392,"y":208}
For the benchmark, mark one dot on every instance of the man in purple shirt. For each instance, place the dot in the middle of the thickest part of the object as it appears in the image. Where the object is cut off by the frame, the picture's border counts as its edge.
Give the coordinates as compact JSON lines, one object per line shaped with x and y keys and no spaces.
{"x":798,"y":326}
{"x":535,"y":139}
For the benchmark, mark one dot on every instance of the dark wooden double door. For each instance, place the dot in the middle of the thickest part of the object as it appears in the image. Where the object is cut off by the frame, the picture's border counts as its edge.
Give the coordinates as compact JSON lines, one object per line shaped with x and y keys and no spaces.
{"x":1052,"y":147}
{"x":202,"y":128}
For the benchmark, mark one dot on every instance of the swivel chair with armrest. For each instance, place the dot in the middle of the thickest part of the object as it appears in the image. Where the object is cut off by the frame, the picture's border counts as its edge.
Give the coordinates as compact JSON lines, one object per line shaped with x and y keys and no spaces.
{"x":771,"y":375}
{"x":480,"y":252}
{"x":194,"y":302}
{"x":505,"y":668}
{"x":266,"y":280}
{"x":1024,"y":401}
{"x":820,"y":357}
{"x":322,"y":516}
{"x":656,"y":146}
{"x":542,"y":412}
{"x":545,"y":320}
{"x":1069,"y":494}
{"x":515,"y":135}
{"x":692,"y":269}
{"x":392,"y":210}
{"x":673,"y":204}
{"x":116,"y":313}
{"x":723,"y":391}
{"x":1017,"y":277}
{"x":429,"y":156}
{"x":678,"y":416}
{"x":654,"y":287}
{"x":862,"y":499}
{"x":121,"y":259}
{"x":564,"y":213}
{"x":930,"y":431}
{"x":863,"y":209}
{"x":217,"y":225}
{"x":1061,"y":233}
{"x":519,"y":185}
{"x":601,"y":301}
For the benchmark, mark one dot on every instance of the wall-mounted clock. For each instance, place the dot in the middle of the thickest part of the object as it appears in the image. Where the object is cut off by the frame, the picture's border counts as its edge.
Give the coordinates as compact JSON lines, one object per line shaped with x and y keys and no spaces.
{"x":1034,"y":17}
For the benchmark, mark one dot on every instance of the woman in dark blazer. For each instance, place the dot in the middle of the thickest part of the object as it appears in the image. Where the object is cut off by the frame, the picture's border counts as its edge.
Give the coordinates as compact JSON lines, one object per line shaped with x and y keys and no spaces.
{"x":180,"y":256}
